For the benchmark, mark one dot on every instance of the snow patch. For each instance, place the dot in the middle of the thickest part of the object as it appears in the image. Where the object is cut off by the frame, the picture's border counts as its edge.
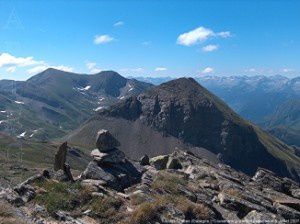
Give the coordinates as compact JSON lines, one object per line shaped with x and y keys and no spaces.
{"x":19,"y":102}
{"x":34,"y":131}
{"x":98,"y":108}
{"x":22,"y":135}
{"x":82,"y":88}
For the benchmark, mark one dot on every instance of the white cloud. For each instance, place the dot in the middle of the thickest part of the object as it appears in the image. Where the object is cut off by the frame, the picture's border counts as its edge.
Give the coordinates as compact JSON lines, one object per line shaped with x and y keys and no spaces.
{"x":119,"y":23}
{"x":251,"y":70}
{"x":131,"y":70}
{"x":198,"y":35}
{"x":210,"y":48}
{"x":146,"y":43}
{"x":8,"y":60}
{"x":37,"y":69}
{"x":92,"y":67}
{"x":63,"y":68}
{"x":158,"y":69}
{"x":224,"y":34}
{"x":207,"y":70}
{"x":103,"y":39}
{"x":12,"y":63}
{"x":43,"y":67}
{"x":287,"y":70}
{"x":11,"y":69}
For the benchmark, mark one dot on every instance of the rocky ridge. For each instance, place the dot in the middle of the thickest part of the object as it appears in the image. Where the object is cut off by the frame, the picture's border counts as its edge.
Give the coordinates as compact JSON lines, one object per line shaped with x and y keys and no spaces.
{"x":175,"y":188}
{"x":184,"y":110}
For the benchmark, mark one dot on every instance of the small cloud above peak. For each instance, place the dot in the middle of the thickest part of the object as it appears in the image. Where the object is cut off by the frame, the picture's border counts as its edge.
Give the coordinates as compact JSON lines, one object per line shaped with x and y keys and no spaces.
{"x":210,"y":48}
{"x":198,"y":35}
{"x":103,"y":39}
{"x":119,"y":23}
{"x":287,"y":70}
{"x":159,"y":69}
{"x":207,"y":70}
{"x":92,"y":67}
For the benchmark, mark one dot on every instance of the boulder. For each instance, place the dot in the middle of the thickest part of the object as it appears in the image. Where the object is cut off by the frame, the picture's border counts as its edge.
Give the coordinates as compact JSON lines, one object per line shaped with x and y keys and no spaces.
{"x":112,"y":156}
{"x":27,"y":192}
{"x":296,"y":193}
{"x":11,"y":196}
{"x":160,"y":162}
{"x":173,"y":163}
{"x":240,"y":205}
{"x":260,"y":217}
{"x":286,"y":212}
{"x":267,"y":178}
{"x":117,"y":176}
{"x":105,"y":141}
{"x":144,"y":161}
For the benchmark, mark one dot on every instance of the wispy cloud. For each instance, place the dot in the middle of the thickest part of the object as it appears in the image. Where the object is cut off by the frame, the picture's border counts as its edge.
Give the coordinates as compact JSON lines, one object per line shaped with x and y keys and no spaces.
{"x":11,"y":69}
{"x":159,"y":69}
{"x":92,"y":67}
{"x":40,"y":68}
{"x":12,"y":63}
{"x":146,"y":43}
{"x":8,"y":60}
{"x":250,"y":70}
{"x":103,"y":39}
{"x":199,"y":35}
{"x":207,"y":70}
{"x":131,"y":69}
{"x":287,"y":70}
{"x":210,"y":48}
{"x":119,"y":23}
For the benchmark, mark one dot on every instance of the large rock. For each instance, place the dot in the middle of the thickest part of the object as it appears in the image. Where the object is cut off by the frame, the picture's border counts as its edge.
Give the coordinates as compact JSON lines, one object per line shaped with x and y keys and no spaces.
{"x":160,"y":162}
{"x":27,"y":192}
{"x":240,"y":205}
{"x":105,"y":141}
{"x":260,"y":217}
{"x":173,"y":163}
{"x":61,"y":156}
{"x":144,"y":161}
{"x":112,"y":156}
{"x":116,"y":176}
{"x":267,"y":178}
{"x":11,"y":196}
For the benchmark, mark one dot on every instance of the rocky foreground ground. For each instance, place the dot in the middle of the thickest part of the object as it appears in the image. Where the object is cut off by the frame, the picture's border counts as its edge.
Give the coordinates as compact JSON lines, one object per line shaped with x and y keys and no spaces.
{"x":175,"y":188}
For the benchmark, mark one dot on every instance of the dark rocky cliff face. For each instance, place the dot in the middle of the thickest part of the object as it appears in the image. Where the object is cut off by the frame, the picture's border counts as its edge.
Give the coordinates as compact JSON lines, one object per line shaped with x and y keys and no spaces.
{"x":184,"y":109}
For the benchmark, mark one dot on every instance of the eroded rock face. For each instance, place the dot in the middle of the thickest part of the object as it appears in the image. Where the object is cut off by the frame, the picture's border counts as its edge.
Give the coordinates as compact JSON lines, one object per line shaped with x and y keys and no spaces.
{"x":105,"y":141}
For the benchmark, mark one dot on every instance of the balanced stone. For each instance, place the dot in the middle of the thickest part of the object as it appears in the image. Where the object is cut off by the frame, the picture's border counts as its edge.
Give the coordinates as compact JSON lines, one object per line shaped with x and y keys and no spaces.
{"x":105,"y":141}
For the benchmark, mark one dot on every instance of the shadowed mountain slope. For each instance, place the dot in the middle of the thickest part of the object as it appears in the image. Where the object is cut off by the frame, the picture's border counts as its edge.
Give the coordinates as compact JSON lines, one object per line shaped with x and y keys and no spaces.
{"x":184,"y":110}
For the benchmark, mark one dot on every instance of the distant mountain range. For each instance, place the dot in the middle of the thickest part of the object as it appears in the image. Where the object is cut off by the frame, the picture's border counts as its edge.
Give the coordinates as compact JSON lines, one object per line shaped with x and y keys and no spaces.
{"x":54,"y":102}
{"x":271,"y":102}
{"x":181,"y":113}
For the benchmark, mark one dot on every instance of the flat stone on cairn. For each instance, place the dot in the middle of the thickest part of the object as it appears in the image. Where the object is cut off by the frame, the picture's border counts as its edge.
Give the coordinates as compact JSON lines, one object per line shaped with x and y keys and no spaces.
{"x":113,"y":156}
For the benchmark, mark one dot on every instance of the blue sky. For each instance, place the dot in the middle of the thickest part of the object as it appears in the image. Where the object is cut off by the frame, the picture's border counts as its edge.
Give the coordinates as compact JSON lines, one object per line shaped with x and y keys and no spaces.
{"x":150,"y":38}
